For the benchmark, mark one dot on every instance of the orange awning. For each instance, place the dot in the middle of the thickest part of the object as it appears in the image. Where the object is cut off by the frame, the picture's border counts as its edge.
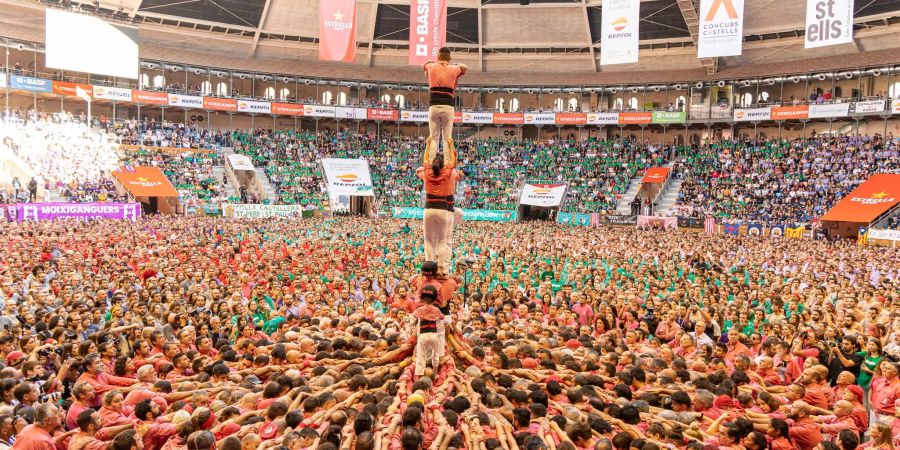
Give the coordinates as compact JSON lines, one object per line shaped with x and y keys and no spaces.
{"x":874,"y":197}
{"x":145,"y":182}
{"x":656,"y":175}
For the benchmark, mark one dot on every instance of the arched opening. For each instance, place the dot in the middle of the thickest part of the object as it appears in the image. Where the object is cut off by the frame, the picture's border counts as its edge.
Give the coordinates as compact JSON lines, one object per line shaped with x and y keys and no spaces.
{"x":680,"y":102}
{"x":499,"y":105}
{"x":159,"y":81}
{"x":619,"y":104}
{"x":633,"y":103}
{"x":206,"y":88}
{"x":514,"y":105}
{"x":558,"y":104}
{"x":327,"y":97}
{"x":144,"y":81}
{"x":400,"y":99}
{"x":894,"y":90}
{"x":763,"y":97}
{"x":386,"y":98}
{"x":342,"y":98}
{"x":746,"y":99}
{"x":284,"y":93}
{"x":269,"y":93}
{"x":573,"y":104}
{"x":222,"y":89}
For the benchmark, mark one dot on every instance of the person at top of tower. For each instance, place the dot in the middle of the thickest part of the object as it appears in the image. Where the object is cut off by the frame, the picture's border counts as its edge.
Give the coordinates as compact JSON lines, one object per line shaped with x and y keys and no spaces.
{"x":443,"y":78}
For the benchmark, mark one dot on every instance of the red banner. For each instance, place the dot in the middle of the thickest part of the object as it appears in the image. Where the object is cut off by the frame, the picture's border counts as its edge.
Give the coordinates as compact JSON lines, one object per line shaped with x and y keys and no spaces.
{"x":382,"y":114}
{"x":635,"y":118}
{"x":571,"y":118}
{"x":509,"y":119}
{"x":790,"y":112}
{"x":71,"y":89}
{"x":150,"y":98}
{"x":287,"y":109}
{"x":220,"y":104}
{"x":337,"y":30}
{"x":427,"y":30}
{"x":656,"y":175}
{"x":870,"y":200}
{"x":457,"y":116}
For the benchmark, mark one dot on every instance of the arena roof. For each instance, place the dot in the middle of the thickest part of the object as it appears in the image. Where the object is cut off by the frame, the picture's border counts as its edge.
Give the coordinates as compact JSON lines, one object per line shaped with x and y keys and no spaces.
{"x":492,"y":36}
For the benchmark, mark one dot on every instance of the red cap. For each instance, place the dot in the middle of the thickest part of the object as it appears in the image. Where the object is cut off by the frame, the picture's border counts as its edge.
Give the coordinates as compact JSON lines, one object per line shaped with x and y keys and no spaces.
{"x":530,"y":363}
{"x":13,"y":357}
{"x":572,"y":343}
{"x":857,"y":391}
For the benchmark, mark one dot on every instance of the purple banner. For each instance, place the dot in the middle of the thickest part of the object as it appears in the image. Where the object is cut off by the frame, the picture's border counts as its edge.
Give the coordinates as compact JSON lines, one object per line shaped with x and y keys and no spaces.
{"x":36,"y":212}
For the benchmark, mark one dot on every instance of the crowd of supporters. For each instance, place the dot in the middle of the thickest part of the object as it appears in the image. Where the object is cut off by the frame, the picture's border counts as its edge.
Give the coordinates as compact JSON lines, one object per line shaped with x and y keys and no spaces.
{"x":188,"y":332}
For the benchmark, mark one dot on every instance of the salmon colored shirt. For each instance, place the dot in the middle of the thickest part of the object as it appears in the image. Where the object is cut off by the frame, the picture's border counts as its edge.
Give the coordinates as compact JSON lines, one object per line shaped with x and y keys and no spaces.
{"x":443,"y":74}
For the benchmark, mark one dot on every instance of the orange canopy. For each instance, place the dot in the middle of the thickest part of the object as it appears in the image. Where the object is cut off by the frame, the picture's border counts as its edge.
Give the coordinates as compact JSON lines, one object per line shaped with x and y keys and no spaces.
{"x":874,"y":197}
{"x":656,"y":175}
{"x":144,"y":181}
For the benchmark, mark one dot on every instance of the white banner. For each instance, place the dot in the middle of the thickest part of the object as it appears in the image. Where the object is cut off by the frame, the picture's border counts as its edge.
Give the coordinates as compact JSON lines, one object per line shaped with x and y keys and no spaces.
{"x":895,"y":106}
{"x":252,"y":107}
{"x":348,"y":177}
{"x":342,"y":112}
{"x":620,"y":31}
{"x":2,"y":81}
{"x":112,"y":93}
{"x":871,"y":106}
{"x":831,"y":110}
{"x":414,"y":116}
{"x":478,"y":117}
{"x":752,"y":114}
{"x":318,"y":111}
{"x":240,"y":211}
{"x":602,"y":118}
{"x":828,"y":22}
{"x":721,"y":28}
{"x":240,"y":162}
{"x":888,"y":235}
{"x":185,"y":101}
{"x":542,"y":194}
{"x":540,"y":118}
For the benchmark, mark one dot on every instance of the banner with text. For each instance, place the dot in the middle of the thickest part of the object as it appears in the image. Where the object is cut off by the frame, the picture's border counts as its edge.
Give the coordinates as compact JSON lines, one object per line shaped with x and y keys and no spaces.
{"x":241,"y":211}
{"x":385,"y":114}
{"x":287,"y":109}
{"x":251,"y":107}
{"x":185,"y":101}
{"x":827,"y":111}
{"x":318,"y":111}
{"x":20,"y":83}
{"x":71,"y":89}
{"x":342,"y":112}
{"x":509,"y":118}
{"x":337,"y":30}
{"x":721,"y":28}
{"x":488,"y":215}
{"x":472,"y":117}
{"x":602,"y":118}
{"x":667,"y":117}
{"x":427,"y":30}
{"x":220,"y":104}
{"x":348,"y":177}
{"x":546,"y":195}
{"x":112,"y":93}
{"x":571,"y":118}
{"x":414,"y":116}
{"x":37,"y":212}
{"x":790,"y":112}
{"x":868,"y":107}
{"x":619,"y":31}
{"x":635,"y":118}
{"x":895,"y":106}
{"x":828,"y":22}
{"x":752,"y":114}
{"x":540,"y":118}
{"x":150,"y":98}
{"x":887,"y":235}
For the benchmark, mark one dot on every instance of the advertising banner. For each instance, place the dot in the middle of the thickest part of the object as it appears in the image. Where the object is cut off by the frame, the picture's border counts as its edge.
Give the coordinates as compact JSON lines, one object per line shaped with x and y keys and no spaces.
{"x":602,"y":118}
{"x":386,"y":114}
{"x":2,"y":81}
{"x":546,"y":195}
{"x":790,"y":112}
{"x":71,"y":89}
{"x":427,"y":30}
{"x":348,"y":177}
{"x":721,"y":30}
{"x":457,"y":116}
{"x":620,"y":219}
{"x":287,"y":109}
{"x":619,"y":31}
{"x":241,"y":211}
{"x":150,"y":98}
{"x":635,"y":118}
{"x":20,"y":83}
{"x":318,"y":111}
{"x":867,"y":107}
{"x":667,"y":117}
{"x":868,"y":201}
{"x":752,"y":114}
{"x":469,"y":117}
{"x":656,"y":175}
{"x":828,"y":22}
{"x":571,"y":118}
{"x":895,"y":106}
{"x":185,"y":101}
{"x":112,"y":93}
{"x":342,"y":112}
{"x":337,"y":30}
{"x":540,"y":118}
{"x":414,"y":116}
{"x":830,"y":110}
{"x":251,"y":107}
{"x":220,"y":104}
{"x":488,"y":215}
{"x":887,"y":235}
{"x":509,"y":119}
{"x":51,"y":211}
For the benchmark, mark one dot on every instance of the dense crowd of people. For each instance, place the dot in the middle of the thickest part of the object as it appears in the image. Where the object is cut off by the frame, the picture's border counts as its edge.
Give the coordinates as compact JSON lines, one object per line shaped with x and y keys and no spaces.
{"x":185,"y":332}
